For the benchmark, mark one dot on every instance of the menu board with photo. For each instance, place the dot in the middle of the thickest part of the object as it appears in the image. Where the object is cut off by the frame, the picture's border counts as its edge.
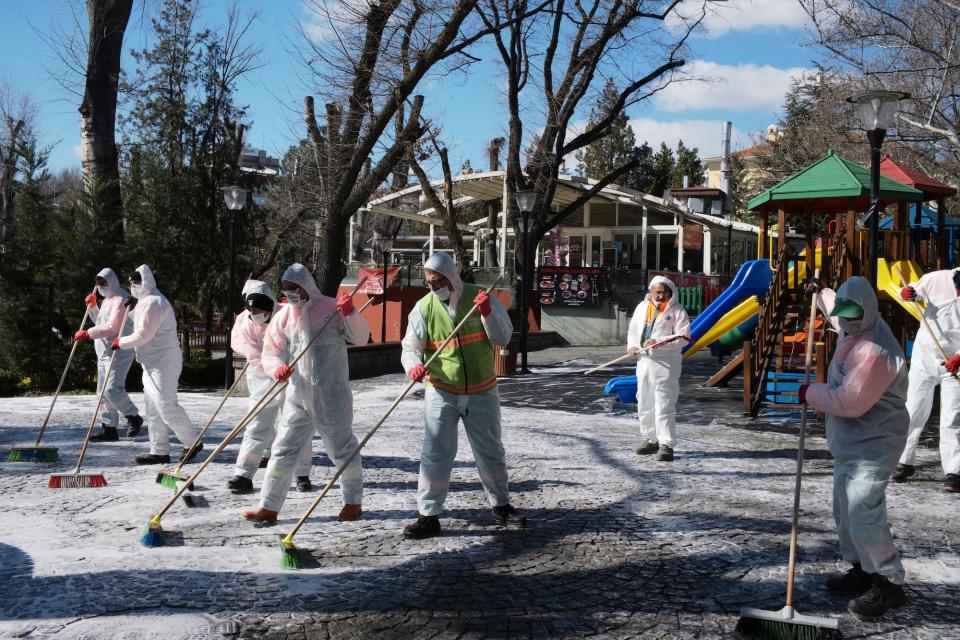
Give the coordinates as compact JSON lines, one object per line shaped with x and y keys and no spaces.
{"x":569,"y":287}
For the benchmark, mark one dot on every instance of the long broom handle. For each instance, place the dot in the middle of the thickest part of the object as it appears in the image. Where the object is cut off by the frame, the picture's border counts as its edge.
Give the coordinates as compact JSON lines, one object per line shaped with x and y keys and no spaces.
{"x":63,"y":377}
{"x":289,"y":537}
{"x":103,"y":390}
{"x":795,"y":528}
{"x":631,"y":355}
{"x":264,"y":402}
{"x":926,"y":325}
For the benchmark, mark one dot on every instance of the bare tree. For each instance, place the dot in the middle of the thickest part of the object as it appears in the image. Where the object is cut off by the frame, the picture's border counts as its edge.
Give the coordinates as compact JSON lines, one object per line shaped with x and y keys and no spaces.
{"x":17,"y":115}
{"x":580,"y":43}
{"x":490,"y":233}
{"x":107,"y":22}
{"x":904,"y":45}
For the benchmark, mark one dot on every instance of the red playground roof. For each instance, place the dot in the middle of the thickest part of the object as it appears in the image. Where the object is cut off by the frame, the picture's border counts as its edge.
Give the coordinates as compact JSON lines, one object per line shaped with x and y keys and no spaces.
{"x":932,"y":189}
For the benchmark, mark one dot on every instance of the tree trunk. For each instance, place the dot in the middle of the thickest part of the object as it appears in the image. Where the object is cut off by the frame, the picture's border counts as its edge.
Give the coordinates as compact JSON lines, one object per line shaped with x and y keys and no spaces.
{"x":98,"y":110}
{"x":7,"y":192}
{"x":330,"y":268}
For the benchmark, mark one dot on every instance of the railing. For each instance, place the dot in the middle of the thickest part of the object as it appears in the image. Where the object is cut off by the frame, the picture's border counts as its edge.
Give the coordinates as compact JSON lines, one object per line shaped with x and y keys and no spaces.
{"x":763,"y":347}
{"x":193,"y":335}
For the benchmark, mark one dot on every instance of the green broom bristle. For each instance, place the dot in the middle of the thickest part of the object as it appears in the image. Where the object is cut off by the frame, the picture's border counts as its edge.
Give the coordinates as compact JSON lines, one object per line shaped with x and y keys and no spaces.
{"x":288,"y":556}
{"x":773,"y":630}
{"x":34,"y":454}
{"x":152,"y":536}
{"x":167,"y":481}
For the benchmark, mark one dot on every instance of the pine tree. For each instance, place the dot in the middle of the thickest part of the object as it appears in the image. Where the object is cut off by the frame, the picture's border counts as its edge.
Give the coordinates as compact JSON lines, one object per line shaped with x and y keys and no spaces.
{"x":617,"y":147}
{"x":687,"y":164}
{"x":662,"y":171}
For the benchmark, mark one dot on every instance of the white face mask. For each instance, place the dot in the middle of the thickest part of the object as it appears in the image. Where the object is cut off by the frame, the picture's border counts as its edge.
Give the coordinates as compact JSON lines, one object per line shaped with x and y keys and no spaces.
{"x":851,"y":327}
{"x":103,"y":291}
{"x":136,"y":290}
{"x":260,"y":318}
{"x":442,"y":293}
{"x":293,"y":298}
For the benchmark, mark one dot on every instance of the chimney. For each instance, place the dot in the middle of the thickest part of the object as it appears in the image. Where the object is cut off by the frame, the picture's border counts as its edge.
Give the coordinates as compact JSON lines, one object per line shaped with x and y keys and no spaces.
{"x":725,"y":167}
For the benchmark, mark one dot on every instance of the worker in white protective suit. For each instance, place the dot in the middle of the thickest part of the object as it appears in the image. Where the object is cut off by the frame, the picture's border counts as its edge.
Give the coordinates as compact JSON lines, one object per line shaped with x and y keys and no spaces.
{"x":461,"y":385}
{"x":246,"y":339}
{"x":941,"y":291}
{"x":318,"y":398}
{"x":864,"y":399}
{"x":107,"y":318}
{"x":154,"y":338}
{"x":658,"y":318}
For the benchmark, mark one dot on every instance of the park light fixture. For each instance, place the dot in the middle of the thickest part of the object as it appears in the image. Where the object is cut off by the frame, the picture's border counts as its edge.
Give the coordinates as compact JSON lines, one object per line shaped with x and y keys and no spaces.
{"x":235,"y":197}
{"x":878,"y":109}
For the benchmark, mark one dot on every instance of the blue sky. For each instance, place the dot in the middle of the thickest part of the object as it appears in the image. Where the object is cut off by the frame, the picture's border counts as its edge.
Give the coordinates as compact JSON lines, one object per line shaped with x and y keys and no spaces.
{"x":750,"y":49}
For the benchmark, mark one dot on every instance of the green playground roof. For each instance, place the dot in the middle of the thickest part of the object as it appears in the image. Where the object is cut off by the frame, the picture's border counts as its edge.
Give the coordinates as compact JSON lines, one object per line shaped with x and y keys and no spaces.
{"x":829,"y":183}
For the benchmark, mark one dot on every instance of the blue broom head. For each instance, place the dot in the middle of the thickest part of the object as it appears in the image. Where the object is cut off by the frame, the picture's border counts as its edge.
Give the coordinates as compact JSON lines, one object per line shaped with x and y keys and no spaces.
{"x":152,"y":536}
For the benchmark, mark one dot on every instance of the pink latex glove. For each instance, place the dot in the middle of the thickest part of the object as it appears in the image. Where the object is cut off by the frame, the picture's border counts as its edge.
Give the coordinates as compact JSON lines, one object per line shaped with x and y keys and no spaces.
{"x":91,"y":300}
{"x":345,"y":304}
{"x":417,"y":373}
{"x":81,"y":335}
{"x":483,"y":303}
{"x":283,"y":373}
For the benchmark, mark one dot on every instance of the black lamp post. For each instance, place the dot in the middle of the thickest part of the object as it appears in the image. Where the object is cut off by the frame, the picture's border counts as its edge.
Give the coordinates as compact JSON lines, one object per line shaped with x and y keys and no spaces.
{"x":526,"y":200}
{"x":236,"y":198}
{"x":878,"y":110}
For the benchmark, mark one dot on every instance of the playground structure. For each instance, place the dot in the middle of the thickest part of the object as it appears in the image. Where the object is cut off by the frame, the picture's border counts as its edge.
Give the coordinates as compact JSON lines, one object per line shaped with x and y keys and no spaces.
{"x":763,"y":306}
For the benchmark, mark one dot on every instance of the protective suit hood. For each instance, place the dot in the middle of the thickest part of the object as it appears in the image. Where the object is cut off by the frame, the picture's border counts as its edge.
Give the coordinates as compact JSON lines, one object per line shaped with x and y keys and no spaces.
{"x":442,"y":263}
{"x":149,"y":283}
{"x":666,"y":282}
{"x":859,"y":290}
{"x":258,"y":286}
{"x":299,"y":274}
{"x":113,"y":283}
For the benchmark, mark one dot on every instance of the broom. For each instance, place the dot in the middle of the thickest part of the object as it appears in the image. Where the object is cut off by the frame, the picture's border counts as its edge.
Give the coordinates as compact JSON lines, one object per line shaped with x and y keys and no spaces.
{"x":77,"y":480}
{"x":288,"y":552}
{"x":787,"y":623}
{"x":169,"y":480}
{"x":36,"y":453}
{"x":152,"y":535}
{"x":926,"y":325}
{"x":630,"y":355}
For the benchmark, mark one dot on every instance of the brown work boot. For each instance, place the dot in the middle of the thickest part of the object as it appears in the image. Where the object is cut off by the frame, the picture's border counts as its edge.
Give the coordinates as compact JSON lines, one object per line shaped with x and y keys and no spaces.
{"x":261,"y":516}
{"x":350,"y":512}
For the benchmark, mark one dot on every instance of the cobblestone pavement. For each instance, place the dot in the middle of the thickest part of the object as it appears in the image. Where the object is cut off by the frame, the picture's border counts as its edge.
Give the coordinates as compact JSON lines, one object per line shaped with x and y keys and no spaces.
{"x":617,"y":546}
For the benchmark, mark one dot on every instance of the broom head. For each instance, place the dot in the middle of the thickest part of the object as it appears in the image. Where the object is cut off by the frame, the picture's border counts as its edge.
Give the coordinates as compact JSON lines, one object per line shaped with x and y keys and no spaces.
{"x":786,"y":624}
{"x":33,"y":454}
{"x":288,"y":553}
{"x":76,"y":481}
{"x":152,"y":535}
{"x":170,"y":480}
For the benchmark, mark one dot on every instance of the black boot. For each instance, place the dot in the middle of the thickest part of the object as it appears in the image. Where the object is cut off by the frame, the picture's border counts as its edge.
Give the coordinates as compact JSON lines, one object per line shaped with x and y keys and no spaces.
{"x":506,"y":514}
{"x":187,"y":456}
{"x":152,"y":458}
{"x":951,"y":483}
{"x":239,"y":484}
{"x":665,"y":454}
{"x":883,"y":596}
{"x":264,"y":462}
{"x":107,"y":434}
{"x":650,"y":447}
{"x":134,"y":423}
{"x":903,"y":472}
{"x":303,"y":483}
{"x":856,"y":580}
{"x":424,"y":527}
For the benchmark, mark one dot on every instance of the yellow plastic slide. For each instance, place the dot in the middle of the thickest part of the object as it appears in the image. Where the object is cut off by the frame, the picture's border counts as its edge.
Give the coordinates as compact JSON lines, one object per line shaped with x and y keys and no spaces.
{"x":890,"y":284}
{"x":733,"y":319}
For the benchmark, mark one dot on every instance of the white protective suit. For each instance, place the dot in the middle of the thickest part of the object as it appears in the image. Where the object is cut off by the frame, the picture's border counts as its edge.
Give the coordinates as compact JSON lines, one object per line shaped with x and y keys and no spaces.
{"x":246,"y":339}
{"x":443,"y":410}
{"x":155,"y":339}
{"x":318,"y":398}
{"x":107,"y":319}
{"x":658,"y":370}
{"x":939,"y":291}
{"x":867,"y":421}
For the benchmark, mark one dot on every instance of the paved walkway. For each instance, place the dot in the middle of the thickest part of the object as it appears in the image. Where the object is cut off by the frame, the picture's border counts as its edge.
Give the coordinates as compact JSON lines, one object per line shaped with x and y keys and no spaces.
{"x":618,"y":546}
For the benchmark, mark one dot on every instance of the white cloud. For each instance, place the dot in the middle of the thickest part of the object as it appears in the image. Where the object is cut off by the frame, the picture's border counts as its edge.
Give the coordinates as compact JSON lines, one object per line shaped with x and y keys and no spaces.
{"x":705,"y":135}
{"x":741,"y":15}
{"x":742,"y":87}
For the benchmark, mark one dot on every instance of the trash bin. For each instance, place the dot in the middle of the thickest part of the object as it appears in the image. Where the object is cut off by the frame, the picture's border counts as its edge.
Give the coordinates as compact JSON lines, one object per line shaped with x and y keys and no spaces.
{"x":505,"y":360}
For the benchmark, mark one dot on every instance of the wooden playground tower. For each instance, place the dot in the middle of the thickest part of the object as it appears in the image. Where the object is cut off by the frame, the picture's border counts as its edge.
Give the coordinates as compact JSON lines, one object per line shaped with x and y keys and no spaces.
{"x":838,"y":190}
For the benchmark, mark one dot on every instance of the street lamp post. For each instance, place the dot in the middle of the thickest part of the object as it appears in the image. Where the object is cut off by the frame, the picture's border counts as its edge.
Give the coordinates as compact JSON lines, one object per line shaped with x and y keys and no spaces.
{"x":526,"y":200}
{"x":878,"y":110}
{"x":235,"y":197}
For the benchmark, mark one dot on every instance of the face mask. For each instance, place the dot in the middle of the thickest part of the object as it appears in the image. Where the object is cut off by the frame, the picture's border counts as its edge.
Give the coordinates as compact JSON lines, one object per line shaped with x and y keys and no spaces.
{"x":293,"y":298}
{"x":443,"y":293}
{"x":853,"y":327}
{"x":259,"y":318}
{"x":103,"y":291}
{"x":136,"y":290}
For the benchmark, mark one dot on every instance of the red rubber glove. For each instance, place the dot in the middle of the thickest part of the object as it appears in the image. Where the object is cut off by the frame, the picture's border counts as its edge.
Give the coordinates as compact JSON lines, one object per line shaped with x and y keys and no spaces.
{"x":91,"y":300}
{"x":283,"y":373}
{"x":81,"y":335}
{"x":115,"y":344}
{"x":417,"y":373}
{"x":345,"y":304}
{"x":802,"y":393}
{"x":483,"y":303}
{"x":953,"y":363}
{"x":908,"y":293}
